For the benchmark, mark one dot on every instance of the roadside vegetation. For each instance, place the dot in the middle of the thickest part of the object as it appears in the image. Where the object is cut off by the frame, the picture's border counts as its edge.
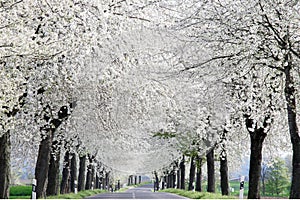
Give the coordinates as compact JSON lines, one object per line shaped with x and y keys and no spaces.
{"x":79,"y":195}
{"x":24,"y":192}
{"x":20,"y":192}
{"x":197,"y":195}
{"x":234,"y":191}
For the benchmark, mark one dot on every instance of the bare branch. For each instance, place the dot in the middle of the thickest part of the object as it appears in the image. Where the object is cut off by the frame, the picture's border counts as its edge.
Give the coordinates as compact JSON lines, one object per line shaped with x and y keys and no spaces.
{"x":208,"y":61}
{"x":132,"y":17}
{"x":11,"y":6}
{"x":270,"y":25}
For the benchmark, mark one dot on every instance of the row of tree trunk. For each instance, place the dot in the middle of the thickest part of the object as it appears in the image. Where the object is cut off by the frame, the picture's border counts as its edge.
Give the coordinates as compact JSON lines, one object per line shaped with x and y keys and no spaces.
{"x":176,"y":179}
{"x":134,"y":180}
{"x":88,"y":177}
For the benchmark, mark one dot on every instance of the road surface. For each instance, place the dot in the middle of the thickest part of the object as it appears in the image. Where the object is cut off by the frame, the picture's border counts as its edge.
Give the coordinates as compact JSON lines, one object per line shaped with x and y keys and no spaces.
{"x":142,"y":192}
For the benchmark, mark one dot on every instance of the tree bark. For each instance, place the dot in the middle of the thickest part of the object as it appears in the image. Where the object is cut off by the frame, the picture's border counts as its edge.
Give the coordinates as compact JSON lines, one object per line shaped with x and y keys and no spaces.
{"x":93,"y":177}
{"x":174,"y":178}
{"x":107,"y":180}
{"x":81,"y":175}
{"x":199,"y":175}
{"x":156,"y":186}
{"x":65,"y":186}
{"x":168,"y":180}
{"x":192,"y":173}
{"x":97,"y":185}
{"x":178,"y":179}
{"x":210,"y":171}
{"x":163,"y":183}
{"x":5,"y":147}
{"x":290,"y":94}
{"x":101,"y":181}
{"x":53,"y":175}
{"x":182,"y":174}
{"x":257,"y":138}
{"x":73,"y":172}
{"x":90,"y":176}
{"x":224,"y":176}
{"x":42,"y":165}
{"x":88,"y":182}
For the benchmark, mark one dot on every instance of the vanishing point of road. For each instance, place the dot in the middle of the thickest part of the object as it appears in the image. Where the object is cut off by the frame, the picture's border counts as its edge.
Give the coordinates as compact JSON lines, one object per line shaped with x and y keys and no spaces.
{"x":142,"y":192}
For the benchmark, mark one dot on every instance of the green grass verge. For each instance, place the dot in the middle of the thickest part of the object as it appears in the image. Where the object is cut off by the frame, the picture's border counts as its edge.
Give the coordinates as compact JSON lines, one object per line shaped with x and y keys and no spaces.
{"x":197,"y":195}
{"x":20,"y":190}
{"x":79,"y":195}
{"x":141,"y":184}
{"x":20,"y":197}
{"x":124,"y":189}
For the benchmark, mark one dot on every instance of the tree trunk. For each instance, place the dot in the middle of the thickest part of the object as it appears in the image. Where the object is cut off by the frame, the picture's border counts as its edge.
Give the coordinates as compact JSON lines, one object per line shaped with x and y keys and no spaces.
{"x":199,"y":175}
{"x":178,"y":179}
{"x":42,"y":165}
{"x":97,"y":185}
{"x":224,"y":176}
{"x":171,"y":179}
{"x":295,"y":192}
{"x":93,"y":177}
{"x":81,"y":175}
{"x":101,"y":181}
{"x":290,"y":94}
{"x":210,"y":171}
{"x":5,"y":147}
{"x":156,"y":186}
{"x":73,"y":172}
{"x":192,"y":173}
{"x":89,"y":177}
{"x":174,"y":179}
{"x":257,"y":138}
{"x":168,"y":181}
{"x":107,"y":180}
{"x":182,"y":174}
{"x":163,"y":183}
{"x":53,"y":175}
{"x":65,"y":186}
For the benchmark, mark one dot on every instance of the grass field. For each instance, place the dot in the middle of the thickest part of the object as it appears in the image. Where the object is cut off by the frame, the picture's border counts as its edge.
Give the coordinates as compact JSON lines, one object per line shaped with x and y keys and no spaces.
{"x":235,"y":185}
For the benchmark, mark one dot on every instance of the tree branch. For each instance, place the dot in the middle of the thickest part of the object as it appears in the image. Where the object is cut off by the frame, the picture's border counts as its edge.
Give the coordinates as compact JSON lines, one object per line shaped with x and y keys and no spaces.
{"x":133,"y":17}
{"x":207,"y":61}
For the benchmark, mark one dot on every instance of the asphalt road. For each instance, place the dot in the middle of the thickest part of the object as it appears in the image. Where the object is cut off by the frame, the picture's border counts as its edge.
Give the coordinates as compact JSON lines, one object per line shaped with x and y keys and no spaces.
{"x":143,"y":192}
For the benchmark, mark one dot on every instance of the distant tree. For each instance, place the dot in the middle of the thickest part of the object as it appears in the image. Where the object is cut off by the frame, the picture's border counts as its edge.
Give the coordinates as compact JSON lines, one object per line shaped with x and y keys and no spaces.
{"x":278,"y":179}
